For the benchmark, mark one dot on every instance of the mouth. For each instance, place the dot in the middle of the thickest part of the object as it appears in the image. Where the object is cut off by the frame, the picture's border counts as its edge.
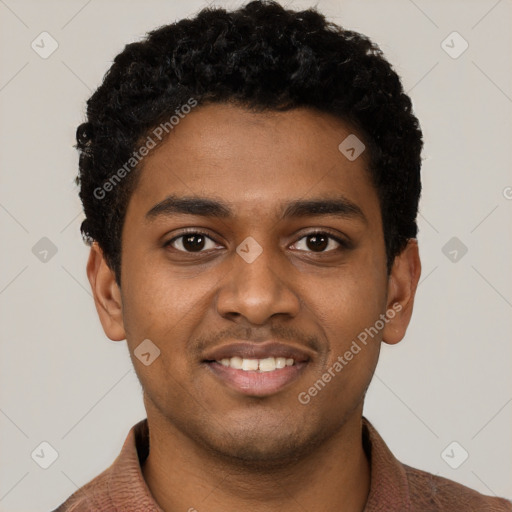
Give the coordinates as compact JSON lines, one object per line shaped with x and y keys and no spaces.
{"x":269,"y":364}
{"x":258,"y":370}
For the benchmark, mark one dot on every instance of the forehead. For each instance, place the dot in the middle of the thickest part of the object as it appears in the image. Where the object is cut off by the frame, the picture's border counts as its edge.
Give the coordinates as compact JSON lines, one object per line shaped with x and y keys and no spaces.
{"x":254,"y":161}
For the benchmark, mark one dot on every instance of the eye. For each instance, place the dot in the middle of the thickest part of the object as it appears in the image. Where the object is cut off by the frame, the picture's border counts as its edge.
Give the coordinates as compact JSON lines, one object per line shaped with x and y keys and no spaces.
{"x":191,"y":242}
{"x":319,"y":241}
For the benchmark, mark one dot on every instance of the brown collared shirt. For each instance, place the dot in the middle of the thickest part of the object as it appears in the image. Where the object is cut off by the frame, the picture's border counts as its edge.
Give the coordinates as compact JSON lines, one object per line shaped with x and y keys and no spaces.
{"x":394,"y":487}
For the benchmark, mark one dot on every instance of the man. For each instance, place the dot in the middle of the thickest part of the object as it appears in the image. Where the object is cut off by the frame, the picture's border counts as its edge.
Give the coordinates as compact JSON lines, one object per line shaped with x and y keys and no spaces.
{"x":250,"y":181}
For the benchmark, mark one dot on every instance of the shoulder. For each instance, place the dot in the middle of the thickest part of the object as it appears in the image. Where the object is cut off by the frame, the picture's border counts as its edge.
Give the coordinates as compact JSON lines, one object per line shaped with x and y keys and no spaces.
{"x":92,"y":497}
{"x":433,"y":493}
{"x":121,"y":486}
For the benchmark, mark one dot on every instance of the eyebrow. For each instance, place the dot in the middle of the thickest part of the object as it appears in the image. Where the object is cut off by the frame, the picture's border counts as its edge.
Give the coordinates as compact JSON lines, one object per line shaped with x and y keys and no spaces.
{"x":206,"y":207}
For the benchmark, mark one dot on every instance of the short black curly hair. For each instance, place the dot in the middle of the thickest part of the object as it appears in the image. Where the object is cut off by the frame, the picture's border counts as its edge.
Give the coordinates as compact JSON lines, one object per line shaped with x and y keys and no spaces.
{"x":262,"y":57}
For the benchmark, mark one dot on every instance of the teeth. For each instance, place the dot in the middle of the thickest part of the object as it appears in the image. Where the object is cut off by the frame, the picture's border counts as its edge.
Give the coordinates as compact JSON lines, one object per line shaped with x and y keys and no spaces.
{"x":236,"y":362}
{"x":281,"y":362}
{"x":249,"y":364}
{"x":268,"y":364}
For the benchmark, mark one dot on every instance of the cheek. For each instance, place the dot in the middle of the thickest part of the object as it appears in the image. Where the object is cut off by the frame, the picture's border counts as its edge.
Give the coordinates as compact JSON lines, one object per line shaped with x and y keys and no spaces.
{"x":347,"y":307}
{"x":158,"y":300}
{"x":347,"y":302}
{"x":165,"y":308}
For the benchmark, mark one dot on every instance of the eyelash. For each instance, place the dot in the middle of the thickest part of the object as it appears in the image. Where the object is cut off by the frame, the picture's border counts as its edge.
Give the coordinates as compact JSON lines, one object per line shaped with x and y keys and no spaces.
{"x":342,"y":243}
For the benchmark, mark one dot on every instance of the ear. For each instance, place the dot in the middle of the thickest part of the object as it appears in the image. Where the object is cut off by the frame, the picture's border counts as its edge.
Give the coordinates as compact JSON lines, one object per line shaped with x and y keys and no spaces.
{"x":107,"y":295}
{"x":402,"y":285}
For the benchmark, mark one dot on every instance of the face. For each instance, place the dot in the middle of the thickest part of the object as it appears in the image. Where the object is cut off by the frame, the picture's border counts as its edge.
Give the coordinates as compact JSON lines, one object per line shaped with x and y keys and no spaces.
{"x":251,"y":240}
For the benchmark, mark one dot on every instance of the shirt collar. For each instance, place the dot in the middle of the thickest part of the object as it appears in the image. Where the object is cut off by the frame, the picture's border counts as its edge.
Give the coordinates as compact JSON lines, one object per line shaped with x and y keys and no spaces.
{"x":128,"y":490}
{"x":389,"y":487}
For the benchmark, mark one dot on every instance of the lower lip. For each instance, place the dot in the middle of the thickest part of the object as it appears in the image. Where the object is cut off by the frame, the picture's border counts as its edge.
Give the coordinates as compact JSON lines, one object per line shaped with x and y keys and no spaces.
{"x":256,"y":383}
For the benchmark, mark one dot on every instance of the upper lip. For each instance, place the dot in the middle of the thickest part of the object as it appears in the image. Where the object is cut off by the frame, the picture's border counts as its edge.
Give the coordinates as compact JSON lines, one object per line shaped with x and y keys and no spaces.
{"x":260,"y":350}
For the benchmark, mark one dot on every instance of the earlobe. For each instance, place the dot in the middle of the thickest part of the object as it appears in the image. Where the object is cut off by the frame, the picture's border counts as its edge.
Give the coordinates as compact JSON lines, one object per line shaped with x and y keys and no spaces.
{"x":402,"y":285}
{"x":106,"y":293}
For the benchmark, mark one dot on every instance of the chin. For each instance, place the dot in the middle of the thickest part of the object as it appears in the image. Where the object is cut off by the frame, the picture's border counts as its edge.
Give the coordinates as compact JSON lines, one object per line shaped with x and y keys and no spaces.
{"x":261,"y":449}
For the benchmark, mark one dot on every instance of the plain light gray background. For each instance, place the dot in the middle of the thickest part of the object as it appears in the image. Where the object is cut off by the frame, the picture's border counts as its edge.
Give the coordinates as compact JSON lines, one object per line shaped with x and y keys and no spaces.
{"x":62,"y":381}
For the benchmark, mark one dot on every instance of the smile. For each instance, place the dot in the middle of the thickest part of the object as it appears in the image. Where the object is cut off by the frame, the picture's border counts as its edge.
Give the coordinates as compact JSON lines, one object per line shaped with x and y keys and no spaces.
{"x":256,"y":377}
{"x":269,"y":364}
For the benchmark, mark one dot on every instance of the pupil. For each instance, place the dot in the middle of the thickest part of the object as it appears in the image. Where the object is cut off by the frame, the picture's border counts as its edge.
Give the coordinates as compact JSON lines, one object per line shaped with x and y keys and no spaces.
{"x":190,"y":245}
{"x":317,"y":242}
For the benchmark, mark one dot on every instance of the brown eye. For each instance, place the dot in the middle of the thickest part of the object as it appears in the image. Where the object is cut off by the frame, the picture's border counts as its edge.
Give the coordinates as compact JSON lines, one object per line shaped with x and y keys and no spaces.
{"x":192,"y":242}
{"x":318,"y":242}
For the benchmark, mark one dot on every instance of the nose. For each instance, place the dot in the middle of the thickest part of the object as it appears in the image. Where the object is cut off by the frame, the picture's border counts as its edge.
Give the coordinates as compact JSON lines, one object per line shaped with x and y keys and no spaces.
{"x":257,"y":291}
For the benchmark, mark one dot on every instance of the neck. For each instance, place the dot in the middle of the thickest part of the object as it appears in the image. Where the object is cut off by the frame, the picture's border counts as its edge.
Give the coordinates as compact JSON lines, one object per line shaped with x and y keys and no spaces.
{"x":182,"y":475}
